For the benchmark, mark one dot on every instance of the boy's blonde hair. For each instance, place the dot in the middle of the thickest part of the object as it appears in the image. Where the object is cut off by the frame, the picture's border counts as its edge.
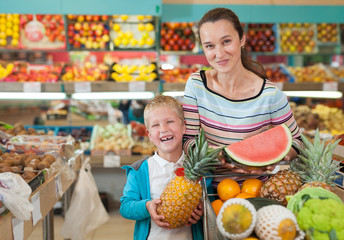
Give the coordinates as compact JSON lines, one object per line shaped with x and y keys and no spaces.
{"x":163,"y":101}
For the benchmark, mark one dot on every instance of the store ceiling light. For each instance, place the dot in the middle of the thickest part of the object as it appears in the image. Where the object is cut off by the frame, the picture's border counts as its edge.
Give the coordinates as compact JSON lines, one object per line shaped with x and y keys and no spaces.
{"x":32,"y":96}
{"x":305,"y":94}
{"x":112,"y":95}
{"x":314,"y":94}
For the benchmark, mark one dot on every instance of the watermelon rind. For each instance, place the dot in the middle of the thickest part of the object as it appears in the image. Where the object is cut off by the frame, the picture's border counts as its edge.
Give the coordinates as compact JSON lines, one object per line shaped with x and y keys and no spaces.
{"x":264,"y":142}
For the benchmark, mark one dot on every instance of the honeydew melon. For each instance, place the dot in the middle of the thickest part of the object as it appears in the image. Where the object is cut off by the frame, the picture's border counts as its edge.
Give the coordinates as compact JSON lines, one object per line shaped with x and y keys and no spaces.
{"x":263,"y":149}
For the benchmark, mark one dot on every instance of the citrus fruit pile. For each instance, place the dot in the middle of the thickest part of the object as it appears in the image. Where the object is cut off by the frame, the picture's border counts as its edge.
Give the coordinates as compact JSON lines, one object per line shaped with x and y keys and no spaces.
{"x":229,"y":188}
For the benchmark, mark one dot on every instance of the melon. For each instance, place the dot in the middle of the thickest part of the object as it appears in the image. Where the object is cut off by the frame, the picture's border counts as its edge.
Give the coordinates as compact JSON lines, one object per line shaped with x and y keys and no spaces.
{"x":263,"y":149}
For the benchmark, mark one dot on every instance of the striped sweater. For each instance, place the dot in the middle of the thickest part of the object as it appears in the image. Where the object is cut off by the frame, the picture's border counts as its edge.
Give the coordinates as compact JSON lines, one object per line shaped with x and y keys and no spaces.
{"x":227,"y":121}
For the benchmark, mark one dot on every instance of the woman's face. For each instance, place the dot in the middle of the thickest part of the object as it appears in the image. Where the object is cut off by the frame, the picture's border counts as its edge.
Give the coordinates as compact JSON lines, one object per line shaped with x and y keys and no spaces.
{"x":221,"y":45}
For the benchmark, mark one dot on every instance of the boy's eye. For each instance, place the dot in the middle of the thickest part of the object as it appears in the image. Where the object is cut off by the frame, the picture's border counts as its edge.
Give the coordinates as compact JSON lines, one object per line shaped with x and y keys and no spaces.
{"x":170,"y":121}
{"x":154,"y":125}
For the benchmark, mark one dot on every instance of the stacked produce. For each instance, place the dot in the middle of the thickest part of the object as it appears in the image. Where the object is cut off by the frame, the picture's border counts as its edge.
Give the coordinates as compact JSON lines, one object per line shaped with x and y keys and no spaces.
{"x":25,"y":72}
{"x":314,"y":73}
{"x":297,"y":38}
{"x":277,"y":73}
{"x":338,"y":72}
{"x":142,"y":144}
{"x":88,"y":32}
{"x":327,"y":32}
{"x":85,"y":72}
{"x":9,"y":30}
{"x":261,"y":37}
{"x":19,"y":129}
{"x":27,"y":165}
{"x":132,"y":32}
{"x":292,"y":204}
{"x":113,"y":138}
{"x":177,"y":74}
{"x":331,"y":117}
{"x":42,"y":31}
{"x":134,"y":72}
{"x":175,"y":36}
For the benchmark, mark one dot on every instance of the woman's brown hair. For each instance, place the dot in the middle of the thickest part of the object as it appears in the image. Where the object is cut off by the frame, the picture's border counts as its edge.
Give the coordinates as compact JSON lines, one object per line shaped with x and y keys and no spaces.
{"x":217,"y":14}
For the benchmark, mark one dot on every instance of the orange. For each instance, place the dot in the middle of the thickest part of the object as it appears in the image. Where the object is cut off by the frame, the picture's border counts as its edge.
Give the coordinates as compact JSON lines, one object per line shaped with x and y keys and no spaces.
{"x":217,"y":204}
{"x":244,"y":195}
{"x":251,"y":186}
{"x":228,"y":188}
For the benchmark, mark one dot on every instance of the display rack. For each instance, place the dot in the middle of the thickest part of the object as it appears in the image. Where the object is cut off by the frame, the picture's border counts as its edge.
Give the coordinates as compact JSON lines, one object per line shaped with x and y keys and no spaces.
{"x":48,"y":198}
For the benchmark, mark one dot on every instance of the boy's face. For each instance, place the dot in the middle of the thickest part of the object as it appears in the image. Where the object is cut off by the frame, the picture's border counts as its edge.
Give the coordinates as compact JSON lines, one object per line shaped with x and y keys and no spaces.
{"x":165,"y":129}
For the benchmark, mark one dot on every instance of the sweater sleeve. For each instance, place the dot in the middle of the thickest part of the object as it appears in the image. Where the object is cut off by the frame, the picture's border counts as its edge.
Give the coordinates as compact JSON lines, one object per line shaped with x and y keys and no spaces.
{"x":191,"y":115}
{"x":132,"y":205}
{"x":281,"y":113}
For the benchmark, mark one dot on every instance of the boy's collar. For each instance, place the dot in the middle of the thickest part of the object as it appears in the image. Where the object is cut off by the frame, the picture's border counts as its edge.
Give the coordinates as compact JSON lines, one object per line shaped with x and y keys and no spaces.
{"x":162,"y":162}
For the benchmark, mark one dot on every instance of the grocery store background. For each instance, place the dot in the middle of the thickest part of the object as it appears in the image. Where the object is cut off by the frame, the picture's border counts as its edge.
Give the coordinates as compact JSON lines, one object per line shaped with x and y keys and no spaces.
{"x":149,"y":49}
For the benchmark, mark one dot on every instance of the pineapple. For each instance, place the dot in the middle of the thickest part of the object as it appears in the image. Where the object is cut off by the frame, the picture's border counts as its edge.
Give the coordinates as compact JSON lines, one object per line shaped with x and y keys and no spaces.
{"x":315,"y":164}
{"x":280,"y":185}
{"x":182,"y":195}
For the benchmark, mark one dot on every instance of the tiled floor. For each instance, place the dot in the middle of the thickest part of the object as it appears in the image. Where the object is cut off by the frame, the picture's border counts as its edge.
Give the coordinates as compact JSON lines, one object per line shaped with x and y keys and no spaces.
{"x":116,"y":228}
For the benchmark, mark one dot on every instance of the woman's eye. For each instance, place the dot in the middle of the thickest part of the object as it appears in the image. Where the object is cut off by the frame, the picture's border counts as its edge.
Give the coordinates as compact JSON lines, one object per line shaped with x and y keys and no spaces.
{"x":208,"y":46}
{"x":227,"y":41}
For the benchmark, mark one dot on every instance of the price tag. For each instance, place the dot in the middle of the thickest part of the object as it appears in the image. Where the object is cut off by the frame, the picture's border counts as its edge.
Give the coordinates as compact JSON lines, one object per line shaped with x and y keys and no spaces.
{"x":18,"y":229}
{"x":80,"y":87}
{"x":32,"y":87}
{"x":330,"y":86}
{"x":279,"y":85}
{"x":137,"y":86}
{"x":58,"y":186}
{"x":36,"y":213}
{"x":112,"y":161}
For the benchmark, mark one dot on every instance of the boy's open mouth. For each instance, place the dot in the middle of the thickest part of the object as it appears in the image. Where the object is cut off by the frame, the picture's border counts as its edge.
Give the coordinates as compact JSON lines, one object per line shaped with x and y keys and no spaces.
{"x":166,"y":139}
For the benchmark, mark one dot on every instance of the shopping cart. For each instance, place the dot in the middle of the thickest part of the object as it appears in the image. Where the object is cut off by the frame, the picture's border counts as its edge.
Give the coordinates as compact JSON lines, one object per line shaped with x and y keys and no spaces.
{"x":210,"y":229}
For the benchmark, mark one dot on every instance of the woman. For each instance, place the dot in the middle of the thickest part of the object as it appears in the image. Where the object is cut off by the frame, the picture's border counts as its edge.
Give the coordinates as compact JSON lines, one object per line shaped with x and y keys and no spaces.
{"x":234,"y":100}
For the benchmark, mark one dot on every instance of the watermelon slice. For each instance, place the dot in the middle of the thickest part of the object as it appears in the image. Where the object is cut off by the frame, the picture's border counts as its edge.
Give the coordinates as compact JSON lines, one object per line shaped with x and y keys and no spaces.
{"x":262,"y":149}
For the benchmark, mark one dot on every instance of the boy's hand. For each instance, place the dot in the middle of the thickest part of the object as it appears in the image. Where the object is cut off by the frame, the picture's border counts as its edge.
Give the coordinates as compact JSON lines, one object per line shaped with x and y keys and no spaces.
{"x":158,"y":219}
{"x":196,"y":214}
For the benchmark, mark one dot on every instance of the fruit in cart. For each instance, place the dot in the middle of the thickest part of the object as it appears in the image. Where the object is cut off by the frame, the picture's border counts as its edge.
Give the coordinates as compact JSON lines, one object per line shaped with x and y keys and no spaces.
{"x":252,"y":186}
{"x":236,"y":219}
{"x":252,"y":151}
{"x":276,"y":222}
{"x":244,"y":195}
{"x":182,"y":195}
{"x":259,"y":202}
{"x":217,"y":204}
{"x":315,"y":164}
{"x":227,"y":188}
{"x":280,"y":185}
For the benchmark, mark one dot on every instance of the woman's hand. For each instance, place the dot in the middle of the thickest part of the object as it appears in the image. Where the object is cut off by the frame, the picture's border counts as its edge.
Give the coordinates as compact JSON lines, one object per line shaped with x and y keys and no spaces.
{"x":253,"y":170}
{"x":196,"y":214}
{"x":158,"y":219}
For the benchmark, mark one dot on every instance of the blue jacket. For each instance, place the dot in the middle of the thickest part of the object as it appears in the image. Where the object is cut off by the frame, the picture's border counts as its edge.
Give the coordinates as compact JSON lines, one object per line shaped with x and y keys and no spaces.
{"x":136,"y":193}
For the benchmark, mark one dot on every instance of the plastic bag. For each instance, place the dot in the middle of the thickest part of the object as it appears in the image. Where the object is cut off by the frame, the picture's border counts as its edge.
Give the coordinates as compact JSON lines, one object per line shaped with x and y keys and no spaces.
{"x":86,"y":211}
{"x":15,"y":193}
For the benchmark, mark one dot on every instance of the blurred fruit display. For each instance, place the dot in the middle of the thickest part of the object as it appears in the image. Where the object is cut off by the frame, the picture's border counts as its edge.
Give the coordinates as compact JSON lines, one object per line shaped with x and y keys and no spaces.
{"x":177,"y":75}
{"x":42,"y":31}
{"x":9,"y":30}
{"x":25,"y":72}
{"x":132,"y":32}
{"x":128,"y":70}
{"x":328,"y":33}
{"x":338,"y":72}
{"x":261,"y":37}
{"x":88,"y":32}
{"x":332,"y":118}
{"x":177,"y":36}
{"x":277,"y":73}
{"x":5,"y":69}
{"x":112,"y":138}
{"x":314,"y":73}
{"x":85,"y":72}
{"x":297,"y":38}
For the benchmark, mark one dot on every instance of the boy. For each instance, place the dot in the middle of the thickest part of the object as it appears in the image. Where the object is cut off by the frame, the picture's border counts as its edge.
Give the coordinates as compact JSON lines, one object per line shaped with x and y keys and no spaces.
{"x":147,"y":178}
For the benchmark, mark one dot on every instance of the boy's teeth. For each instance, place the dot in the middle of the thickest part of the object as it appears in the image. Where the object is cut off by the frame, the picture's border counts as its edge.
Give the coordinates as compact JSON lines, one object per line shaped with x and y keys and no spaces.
{"x":166,"y":138}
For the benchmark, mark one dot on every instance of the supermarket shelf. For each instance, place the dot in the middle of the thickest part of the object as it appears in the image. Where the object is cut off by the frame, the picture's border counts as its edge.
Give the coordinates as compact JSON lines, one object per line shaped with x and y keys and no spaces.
{"x":109,"y":86}
{"x":98,"y":161}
